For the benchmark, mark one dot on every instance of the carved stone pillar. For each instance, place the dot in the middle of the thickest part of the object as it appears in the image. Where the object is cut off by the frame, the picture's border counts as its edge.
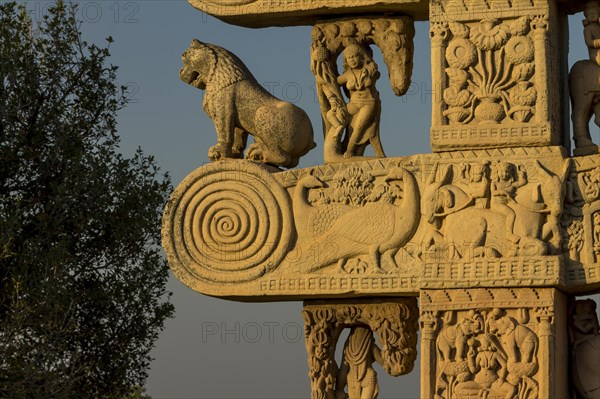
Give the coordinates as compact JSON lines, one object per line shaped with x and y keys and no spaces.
{"x":428,"y":323}
{"x":500,"y":74}
{"x":493,"y":343}
{"x":438,"y":33}
{"x":539,"y":26}
{"x":394,"y":322}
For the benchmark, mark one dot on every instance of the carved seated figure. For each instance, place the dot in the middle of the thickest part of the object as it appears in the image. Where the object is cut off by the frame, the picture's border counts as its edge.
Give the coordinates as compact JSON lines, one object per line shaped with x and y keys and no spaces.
{"x":488,"y":363}
{"x":520,"y":344}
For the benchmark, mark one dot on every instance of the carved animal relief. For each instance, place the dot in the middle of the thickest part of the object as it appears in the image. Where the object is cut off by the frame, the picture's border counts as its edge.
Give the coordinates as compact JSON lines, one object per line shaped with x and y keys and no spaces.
{"x":239,"y":107}
{"x":482,"y":350}
{"x":492,"y":230}
{"x":357,"y":220}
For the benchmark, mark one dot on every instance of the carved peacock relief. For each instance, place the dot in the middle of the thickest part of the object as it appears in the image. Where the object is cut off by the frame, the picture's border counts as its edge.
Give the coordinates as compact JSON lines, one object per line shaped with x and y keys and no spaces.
{"x":358,"y":218}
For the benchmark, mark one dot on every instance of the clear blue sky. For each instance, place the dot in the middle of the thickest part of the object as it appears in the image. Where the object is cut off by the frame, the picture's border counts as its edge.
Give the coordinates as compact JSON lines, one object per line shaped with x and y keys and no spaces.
{"x":215,"y":348}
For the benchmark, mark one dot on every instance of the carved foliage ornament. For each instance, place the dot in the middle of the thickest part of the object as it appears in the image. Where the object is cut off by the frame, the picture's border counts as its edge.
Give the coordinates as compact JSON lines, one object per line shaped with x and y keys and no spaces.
{"x":490,"y":71}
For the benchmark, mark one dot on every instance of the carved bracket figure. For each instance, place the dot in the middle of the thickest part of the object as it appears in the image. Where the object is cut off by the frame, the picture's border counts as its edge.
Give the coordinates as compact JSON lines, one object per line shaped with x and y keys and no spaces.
{"x":359,"y":116}
{"x":584,"y":84}
{"x":393,"y":321}
{"x":585,"y":349}
{"x":239,"y":107}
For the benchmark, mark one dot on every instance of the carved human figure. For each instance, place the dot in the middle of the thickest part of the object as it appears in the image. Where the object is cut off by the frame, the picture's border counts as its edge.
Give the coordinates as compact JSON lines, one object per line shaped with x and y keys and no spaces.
{"x":452,"y":345}
{"x":364,"y":105}
{"x":591,"y":30}
{"x":336,"y":117}
{"x":489,"y":365}
{"x":596,"y":232}
{"x":477,"y":183}
{"x":585,"y":349}
{"x":504,"y":186}
{"x":360,"y":351}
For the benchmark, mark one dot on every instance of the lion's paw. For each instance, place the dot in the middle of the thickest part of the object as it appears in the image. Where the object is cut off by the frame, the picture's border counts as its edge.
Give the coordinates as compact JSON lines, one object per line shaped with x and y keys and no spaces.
{"x":255,"y":153}
{"x":214,"y":153}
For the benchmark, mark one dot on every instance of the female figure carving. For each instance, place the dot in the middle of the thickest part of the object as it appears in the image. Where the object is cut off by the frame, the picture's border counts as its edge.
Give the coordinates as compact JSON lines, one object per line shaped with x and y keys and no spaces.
{"x":364,"y":105}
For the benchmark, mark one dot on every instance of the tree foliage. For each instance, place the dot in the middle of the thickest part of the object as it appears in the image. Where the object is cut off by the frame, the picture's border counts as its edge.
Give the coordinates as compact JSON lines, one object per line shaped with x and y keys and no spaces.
{"x":82,"y":280}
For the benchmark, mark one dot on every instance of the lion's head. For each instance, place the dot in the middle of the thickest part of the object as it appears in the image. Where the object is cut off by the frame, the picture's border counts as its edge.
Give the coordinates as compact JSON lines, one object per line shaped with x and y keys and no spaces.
{"x":207,"y":66}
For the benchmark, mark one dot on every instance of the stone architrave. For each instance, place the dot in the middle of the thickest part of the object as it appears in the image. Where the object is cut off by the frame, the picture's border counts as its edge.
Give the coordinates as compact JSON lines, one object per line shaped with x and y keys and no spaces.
{"x":392,"y":226}
{"x":263,"y":13}
{"x":494,"y":343}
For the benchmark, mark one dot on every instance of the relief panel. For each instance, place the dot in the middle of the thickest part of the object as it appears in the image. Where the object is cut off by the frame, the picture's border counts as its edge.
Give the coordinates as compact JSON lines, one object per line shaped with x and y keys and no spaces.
{"x":494,"y":74}
{"x":492,"y":343}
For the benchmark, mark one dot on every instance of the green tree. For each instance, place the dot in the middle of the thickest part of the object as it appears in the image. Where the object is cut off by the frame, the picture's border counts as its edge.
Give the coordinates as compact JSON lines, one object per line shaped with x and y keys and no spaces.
{"x":82,"y":279}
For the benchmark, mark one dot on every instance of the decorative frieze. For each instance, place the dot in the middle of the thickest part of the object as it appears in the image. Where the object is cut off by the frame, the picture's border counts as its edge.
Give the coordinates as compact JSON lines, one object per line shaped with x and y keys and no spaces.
{"x":386,"y":226}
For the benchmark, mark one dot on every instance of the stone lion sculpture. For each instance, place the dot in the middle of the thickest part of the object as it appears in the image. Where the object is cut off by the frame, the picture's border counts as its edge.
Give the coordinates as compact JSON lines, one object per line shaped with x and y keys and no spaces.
{"x":239,"y":106}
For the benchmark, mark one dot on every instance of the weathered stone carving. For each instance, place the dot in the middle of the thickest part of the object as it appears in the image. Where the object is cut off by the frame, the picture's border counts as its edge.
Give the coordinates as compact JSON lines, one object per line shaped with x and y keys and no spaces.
{"x":356,"y":371}
{"x":373,"y":228}
{"x":580,"y":221}
{"x":490,"y":71}
{"x":227,"y":222}
{"x":239,"y":106}
{"x":493,"y":68}
{"x":585,"y":349}
{"x":489,"y":231}
{"x":394,"y":322}
{"x":359,"y":116}
{"x":483,"y":350}
{"x":361,"y":228}
{"x":263,"y":13}
{"x":499,"y":215}
{"x":584,"y":84}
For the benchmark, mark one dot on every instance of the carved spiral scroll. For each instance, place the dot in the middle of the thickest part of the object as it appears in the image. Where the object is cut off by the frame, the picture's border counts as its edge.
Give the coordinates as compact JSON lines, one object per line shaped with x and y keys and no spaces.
{"x":227,"y":222}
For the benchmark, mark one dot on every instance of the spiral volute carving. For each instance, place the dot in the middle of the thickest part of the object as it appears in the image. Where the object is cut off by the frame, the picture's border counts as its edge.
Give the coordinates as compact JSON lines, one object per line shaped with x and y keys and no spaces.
{"x":228,"y":222}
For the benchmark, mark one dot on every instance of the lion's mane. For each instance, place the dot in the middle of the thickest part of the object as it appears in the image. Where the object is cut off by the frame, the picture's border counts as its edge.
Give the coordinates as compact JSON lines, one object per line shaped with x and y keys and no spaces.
{"x":225,"y":68}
